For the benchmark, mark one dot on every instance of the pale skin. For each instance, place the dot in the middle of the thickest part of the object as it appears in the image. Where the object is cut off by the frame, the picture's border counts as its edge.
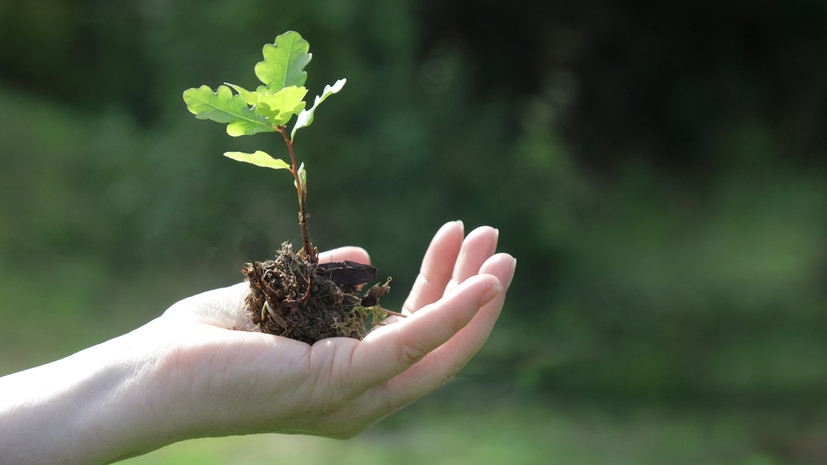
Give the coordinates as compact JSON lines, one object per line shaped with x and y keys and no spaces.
{"x":188,"y":374}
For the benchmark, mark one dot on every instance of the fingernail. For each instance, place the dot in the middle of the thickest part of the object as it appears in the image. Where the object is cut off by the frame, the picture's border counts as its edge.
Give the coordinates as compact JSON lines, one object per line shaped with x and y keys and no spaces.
{"x":461,"y":226}
{"x":492,"y":292}
{"x":511,"y":272}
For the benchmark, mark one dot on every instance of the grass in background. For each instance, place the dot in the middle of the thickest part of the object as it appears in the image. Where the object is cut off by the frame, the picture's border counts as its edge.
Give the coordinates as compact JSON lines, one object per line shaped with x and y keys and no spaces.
{"x":443,"y":430}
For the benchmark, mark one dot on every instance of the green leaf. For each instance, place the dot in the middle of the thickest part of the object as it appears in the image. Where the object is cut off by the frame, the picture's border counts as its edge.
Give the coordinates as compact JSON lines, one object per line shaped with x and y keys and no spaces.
{"x":277,"y":107}
{"x":282,"y":105}
{"x":259,"y":158}
{"x":223,"y":107}
{"x":306,"y":116}
{"x":250,"y":98}
{"x":284,"y":62}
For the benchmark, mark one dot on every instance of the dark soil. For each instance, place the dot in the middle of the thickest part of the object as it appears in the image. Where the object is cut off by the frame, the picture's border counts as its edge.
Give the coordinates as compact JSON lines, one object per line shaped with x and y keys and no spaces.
{"x":291,"y":297}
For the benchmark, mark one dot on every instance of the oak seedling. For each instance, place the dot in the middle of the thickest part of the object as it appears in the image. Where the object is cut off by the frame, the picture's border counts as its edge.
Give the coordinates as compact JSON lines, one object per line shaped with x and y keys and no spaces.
{"x":293,"y":295}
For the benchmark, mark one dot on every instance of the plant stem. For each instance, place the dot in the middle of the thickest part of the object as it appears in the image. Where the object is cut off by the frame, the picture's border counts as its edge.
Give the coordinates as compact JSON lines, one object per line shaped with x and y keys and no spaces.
{"x":301,"y":189}
{"x":394,"y":313}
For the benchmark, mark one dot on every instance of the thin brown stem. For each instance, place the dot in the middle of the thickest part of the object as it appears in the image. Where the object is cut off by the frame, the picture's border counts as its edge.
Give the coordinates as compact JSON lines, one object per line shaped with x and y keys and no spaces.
{"x":301,"y":189}
{"x":389,"y":312}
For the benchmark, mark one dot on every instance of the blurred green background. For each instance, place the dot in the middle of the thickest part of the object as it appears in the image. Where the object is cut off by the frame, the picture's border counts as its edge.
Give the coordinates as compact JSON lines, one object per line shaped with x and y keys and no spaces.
{"x":659,"y":172}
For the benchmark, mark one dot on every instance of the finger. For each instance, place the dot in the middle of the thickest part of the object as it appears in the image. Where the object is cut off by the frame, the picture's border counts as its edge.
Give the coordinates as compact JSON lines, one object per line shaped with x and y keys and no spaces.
{"x":480,"y":244}
{"x":443,"y":363}
{"x":355,"y":254}
{"x":436,"y":269}
{"x":390,"y":350}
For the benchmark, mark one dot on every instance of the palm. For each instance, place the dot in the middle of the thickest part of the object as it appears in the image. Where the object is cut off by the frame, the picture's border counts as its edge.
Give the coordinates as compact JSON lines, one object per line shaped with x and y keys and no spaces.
{"x":254,"y":382}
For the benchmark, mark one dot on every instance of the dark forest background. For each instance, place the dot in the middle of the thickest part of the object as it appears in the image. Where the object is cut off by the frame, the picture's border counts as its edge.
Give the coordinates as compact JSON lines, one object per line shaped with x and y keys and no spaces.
{"x":658,"y":170}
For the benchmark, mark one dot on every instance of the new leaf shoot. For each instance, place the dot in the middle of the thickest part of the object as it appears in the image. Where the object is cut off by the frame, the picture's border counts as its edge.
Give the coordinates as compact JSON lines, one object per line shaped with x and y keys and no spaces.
{"x":268,"y":109}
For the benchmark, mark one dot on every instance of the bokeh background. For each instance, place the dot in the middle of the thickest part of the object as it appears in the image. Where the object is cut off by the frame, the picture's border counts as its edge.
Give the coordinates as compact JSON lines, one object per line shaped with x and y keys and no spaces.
{"x":659,"y":171}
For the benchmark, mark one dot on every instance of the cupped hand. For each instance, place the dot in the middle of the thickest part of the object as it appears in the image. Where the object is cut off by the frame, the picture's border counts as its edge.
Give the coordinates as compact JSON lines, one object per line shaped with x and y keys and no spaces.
{"x":208,"y":379}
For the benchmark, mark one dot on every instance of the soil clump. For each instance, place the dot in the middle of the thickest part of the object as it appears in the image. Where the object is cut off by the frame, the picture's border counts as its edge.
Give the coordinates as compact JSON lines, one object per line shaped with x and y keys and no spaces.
{"x":292,"y":297}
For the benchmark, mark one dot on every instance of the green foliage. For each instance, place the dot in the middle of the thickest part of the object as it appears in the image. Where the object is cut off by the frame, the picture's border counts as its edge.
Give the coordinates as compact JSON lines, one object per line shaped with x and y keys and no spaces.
{"x":259,"y":158}
{"x":284,"y":62}
{"x":306,"y":116}
{"x":222,"y":106}
{"x":282,"y":105}
{"x":268,"y":109}
{"x":270,"y":106}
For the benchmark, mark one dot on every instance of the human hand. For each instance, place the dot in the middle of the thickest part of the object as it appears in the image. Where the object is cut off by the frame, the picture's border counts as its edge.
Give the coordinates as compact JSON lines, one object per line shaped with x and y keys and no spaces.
{"x":220,"y":382}
{"x":188,"y":374}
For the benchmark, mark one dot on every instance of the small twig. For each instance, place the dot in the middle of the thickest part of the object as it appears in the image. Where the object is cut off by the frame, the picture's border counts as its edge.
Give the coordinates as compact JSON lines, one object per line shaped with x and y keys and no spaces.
{"x":389,"y":312}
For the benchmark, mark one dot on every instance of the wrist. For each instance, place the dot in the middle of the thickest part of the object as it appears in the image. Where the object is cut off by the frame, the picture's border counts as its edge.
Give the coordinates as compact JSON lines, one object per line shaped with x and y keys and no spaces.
{"x":85,"y":408}
{"x":116,"y":398}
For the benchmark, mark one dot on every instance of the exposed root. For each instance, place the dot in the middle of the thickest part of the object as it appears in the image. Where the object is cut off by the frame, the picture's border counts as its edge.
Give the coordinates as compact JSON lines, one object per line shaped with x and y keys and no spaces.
{"x":288,"y":298}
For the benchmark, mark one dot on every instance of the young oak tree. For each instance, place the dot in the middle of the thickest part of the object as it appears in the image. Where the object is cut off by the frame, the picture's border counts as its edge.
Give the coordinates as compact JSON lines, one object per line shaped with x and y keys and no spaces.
{"x":269,"y":109}
{"x":294,"y":295}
